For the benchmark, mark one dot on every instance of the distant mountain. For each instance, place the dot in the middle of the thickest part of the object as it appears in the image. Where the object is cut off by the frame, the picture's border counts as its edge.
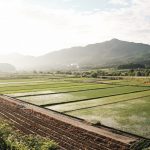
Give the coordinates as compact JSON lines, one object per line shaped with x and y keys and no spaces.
{"x":21,"y":62}
{"x":4,"y":67}
{"x":110,"y":53}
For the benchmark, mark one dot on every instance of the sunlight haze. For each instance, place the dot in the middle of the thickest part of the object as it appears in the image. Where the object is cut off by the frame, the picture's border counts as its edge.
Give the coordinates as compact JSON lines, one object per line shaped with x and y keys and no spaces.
{"x":36,"y":27}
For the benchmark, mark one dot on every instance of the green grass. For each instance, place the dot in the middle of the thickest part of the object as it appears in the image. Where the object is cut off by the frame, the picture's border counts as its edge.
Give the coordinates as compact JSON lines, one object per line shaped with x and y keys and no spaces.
{"x":131,"y":116}
{"x":78,"y":87}
{"x":22,"y":78}
{"x":38,"y":87}
{"x":16,"y":84}
{"x":77,"y":96}
{"x":131,"y":81}
{"x":97,"y":102}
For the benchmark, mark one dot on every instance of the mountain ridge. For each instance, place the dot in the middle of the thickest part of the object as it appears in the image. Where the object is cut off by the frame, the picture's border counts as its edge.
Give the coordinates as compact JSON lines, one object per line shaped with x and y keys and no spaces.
{"x":109,"y":53}
{"x":100,"y":54}
{"x":5,"y":67}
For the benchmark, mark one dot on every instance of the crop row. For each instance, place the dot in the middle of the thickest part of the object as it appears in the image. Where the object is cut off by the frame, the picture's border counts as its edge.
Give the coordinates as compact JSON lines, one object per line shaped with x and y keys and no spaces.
{"x":84,"y":88}
{"x":57,"y":87}
{"x":57,"y":99}
{"x":67,"y":135}
{"x":96,"y":102}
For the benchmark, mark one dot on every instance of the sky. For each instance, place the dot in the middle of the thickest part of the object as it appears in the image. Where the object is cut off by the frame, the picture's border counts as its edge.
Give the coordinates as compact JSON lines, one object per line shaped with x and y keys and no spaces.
{"x":36,"y":27}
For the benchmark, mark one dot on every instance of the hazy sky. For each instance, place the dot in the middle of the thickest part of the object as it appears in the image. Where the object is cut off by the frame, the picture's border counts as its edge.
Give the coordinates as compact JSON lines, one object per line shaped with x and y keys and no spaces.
{"x":36,"y":27}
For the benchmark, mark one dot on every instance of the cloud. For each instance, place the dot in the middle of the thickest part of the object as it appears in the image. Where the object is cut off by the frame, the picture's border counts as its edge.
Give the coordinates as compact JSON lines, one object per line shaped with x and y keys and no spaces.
{"x":67,"y":0}
{"x":119,"y":2}
{"x":36,"y":29}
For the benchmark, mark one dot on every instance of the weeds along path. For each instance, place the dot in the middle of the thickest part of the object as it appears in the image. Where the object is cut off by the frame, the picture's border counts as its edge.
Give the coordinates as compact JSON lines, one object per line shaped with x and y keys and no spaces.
{"x":118,"y":83}
{"x":68,"y":132}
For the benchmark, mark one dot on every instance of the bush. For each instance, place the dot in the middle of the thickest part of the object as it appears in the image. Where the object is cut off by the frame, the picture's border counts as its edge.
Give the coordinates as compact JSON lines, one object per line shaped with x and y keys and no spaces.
{"x":13,"y":140}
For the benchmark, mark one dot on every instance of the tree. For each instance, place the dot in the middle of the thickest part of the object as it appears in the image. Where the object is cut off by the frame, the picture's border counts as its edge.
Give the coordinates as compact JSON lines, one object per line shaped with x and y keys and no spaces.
{"x":138,"y":73}
{"x":94,"y":74}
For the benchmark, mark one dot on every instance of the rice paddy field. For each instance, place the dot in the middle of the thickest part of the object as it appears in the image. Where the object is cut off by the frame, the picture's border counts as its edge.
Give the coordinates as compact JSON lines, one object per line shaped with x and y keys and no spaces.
{"x":121,"y":104}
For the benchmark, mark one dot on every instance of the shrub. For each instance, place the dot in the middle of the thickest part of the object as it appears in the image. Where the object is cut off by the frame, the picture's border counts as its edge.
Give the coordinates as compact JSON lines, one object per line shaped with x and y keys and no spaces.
{"x":14,"y":140}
